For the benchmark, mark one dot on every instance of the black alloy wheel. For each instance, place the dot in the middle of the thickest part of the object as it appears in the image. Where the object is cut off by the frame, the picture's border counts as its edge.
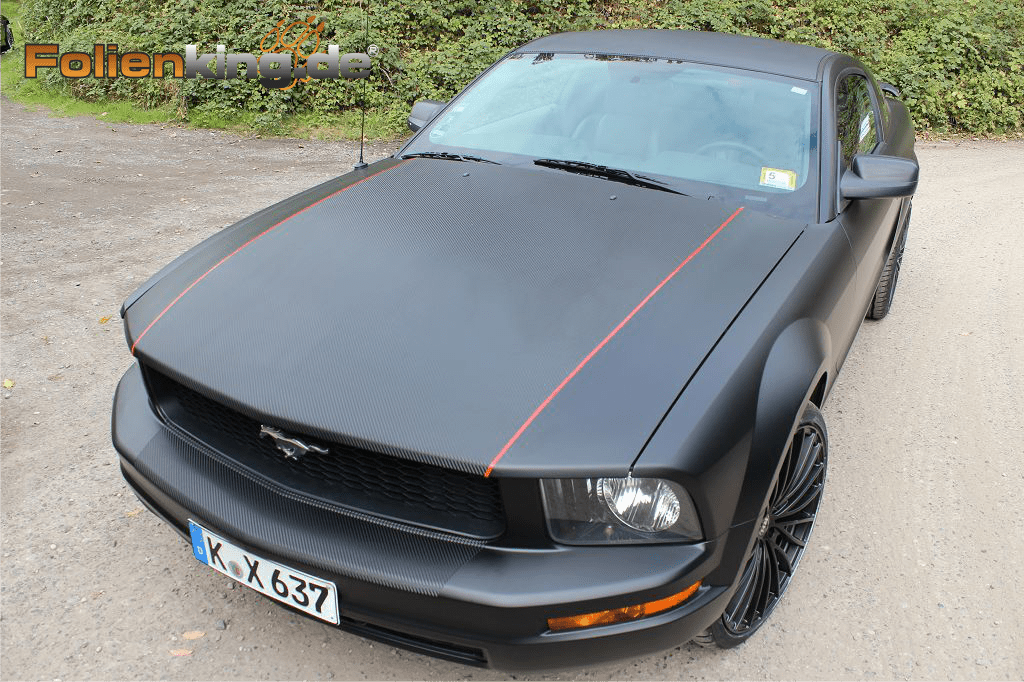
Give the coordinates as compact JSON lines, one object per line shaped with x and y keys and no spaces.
{"x":782,"y":534}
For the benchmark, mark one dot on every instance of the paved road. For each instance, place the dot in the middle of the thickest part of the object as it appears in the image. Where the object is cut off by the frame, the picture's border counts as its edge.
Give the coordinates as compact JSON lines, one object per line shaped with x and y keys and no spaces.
{"x":912,"y":571}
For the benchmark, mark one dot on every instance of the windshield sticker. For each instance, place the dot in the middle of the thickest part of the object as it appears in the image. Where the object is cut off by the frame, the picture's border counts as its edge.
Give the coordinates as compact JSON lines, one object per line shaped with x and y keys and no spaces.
{"x":799,"y":91}
{"x":778,"y":178}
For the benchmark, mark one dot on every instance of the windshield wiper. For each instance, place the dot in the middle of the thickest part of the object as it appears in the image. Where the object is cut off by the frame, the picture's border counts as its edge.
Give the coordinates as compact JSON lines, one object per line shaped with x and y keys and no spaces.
{"x":448,"y":156}
{"x":613,"y":174}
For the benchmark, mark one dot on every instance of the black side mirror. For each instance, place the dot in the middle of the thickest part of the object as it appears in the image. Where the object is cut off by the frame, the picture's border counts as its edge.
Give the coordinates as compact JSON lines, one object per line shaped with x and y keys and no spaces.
{"x":890,"y":89}
{"x":423,"y":111}
{"x":876,"y":177}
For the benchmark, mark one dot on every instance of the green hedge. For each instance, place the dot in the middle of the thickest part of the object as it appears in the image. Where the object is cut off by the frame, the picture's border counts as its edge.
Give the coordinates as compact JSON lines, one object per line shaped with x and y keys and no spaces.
{"x":958,"y":62}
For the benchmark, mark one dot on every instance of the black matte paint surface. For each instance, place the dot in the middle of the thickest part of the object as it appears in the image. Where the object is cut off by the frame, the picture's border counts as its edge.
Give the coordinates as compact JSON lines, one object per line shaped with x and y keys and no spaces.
{"x":742,"y":52}
{"x":427,"y":314}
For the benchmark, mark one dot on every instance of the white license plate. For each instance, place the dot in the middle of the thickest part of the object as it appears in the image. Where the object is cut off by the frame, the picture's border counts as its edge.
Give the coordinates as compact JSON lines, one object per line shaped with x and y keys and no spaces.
{"x":318,"y":598}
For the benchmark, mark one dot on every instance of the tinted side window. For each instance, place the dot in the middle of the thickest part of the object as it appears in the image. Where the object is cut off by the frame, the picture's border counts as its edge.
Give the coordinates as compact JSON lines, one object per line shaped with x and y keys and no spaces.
{"x":883,"y":106}
{"x":855,"y":117}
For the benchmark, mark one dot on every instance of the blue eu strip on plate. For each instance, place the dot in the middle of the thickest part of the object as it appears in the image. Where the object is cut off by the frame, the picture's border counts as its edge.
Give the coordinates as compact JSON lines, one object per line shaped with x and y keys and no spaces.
{"x":198,"y":547}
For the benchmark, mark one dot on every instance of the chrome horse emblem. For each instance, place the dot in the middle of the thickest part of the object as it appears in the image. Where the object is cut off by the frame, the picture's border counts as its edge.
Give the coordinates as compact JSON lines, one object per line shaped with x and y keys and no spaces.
{"x":292,"y":447}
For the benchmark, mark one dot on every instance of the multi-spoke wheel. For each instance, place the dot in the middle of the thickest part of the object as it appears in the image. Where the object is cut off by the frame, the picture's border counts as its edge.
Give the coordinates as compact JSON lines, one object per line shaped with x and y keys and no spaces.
{"x":782,"y":534}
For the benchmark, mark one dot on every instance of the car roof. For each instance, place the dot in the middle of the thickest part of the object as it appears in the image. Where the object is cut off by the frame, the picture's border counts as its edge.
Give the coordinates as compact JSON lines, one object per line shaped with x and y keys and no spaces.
{"x":721,"y":49}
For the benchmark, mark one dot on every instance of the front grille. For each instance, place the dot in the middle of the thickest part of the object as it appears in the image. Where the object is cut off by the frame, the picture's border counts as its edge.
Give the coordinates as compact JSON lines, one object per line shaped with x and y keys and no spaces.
{"x":379,"y":484}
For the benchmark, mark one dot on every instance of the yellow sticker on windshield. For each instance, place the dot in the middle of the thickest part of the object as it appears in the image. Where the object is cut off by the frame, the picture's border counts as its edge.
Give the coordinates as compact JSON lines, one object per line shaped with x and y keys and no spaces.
{"x":778,"y":178}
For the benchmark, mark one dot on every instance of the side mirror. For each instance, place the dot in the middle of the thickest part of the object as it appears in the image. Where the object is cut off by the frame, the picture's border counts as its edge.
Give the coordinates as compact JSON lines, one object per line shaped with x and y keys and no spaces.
{"x":877,"y":177}
{"x":890,"y":89}
{"x":423,"y":111}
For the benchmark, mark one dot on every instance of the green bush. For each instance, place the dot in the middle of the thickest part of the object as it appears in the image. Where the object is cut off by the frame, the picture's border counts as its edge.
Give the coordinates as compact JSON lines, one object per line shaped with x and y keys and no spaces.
{"x":958,"y":62}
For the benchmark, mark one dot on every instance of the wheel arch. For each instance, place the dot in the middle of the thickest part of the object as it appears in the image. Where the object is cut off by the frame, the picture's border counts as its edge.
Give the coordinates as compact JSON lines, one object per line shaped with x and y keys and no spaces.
{"x":796,"y":371}
{"x":820,"y":391}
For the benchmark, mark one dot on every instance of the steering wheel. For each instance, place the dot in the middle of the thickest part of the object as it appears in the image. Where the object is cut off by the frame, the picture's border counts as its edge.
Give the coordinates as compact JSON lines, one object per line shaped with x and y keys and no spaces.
{"x":737,"y":146}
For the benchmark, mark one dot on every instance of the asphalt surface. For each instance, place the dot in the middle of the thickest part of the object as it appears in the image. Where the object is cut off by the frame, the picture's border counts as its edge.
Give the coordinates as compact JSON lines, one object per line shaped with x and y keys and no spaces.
{"x":911,"y":572}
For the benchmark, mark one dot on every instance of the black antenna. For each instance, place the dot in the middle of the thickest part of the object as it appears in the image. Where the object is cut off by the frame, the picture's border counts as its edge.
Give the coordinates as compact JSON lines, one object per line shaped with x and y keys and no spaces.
{"x":362,"y":124}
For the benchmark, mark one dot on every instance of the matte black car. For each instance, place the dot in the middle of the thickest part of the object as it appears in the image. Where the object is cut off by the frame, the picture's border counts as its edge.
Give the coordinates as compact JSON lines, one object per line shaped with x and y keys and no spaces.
{"x":544,"y":387}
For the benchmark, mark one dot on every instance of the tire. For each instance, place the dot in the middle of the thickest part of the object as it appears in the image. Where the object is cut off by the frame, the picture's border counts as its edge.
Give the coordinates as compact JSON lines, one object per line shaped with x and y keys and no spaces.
{"x":782,"y":534}
{"x":890,"y":273}
{"x":9,"y":37}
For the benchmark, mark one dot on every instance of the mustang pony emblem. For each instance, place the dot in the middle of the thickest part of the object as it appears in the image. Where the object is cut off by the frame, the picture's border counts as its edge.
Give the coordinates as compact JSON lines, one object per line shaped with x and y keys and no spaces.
{"x":293,"y":448}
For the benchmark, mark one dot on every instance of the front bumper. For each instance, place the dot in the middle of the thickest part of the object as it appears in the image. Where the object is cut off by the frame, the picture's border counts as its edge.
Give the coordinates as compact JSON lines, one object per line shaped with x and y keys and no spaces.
{"x":446,"y":596}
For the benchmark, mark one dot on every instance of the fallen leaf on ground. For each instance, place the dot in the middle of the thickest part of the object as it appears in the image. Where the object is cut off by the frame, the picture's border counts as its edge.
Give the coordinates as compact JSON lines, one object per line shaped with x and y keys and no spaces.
{"x":104,"y":320}
{"x":134,"y":512}
{"x":193,"y":634}
{"x":8,"y":383}
{"x":181,"y":652}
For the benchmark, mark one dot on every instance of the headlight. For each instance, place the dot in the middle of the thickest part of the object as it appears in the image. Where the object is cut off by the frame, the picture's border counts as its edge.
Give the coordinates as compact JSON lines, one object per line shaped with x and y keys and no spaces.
{"x":588,"y":511}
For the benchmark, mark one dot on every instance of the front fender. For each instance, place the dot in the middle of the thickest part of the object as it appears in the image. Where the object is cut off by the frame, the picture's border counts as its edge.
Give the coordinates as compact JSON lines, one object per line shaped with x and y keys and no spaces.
{"x":726,"y":448}
{"x":796,"y":363}
{"x":724,"y":437}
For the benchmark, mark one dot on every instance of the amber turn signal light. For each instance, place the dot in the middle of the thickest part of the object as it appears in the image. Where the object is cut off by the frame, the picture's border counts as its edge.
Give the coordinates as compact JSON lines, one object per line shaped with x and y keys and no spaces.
{"x":589,"y":620}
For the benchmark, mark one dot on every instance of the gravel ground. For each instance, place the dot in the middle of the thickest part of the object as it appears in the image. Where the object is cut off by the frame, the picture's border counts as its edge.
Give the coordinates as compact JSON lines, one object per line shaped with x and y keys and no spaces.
{"x":909,"y":574}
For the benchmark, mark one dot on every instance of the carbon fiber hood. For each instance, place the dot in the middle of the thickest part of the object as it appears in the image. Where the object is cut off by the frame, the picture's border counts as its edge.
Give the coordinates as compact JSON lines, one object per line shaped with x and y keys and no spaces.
{"x":449,"y":312}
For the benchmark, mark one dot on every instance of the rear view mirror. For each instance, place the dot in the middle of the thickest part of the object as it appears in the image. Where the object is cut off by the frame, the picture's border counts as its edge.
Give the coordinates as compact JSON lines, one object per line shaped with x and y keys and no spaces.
{"x":423,"y":111}
{"x":875,"y":177}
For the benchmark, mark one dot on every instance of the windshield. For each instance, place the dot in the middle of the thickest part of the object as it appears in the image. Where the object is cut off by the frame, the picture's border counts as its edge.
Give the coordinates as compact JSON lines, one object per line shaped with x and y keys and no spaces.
{"x":706,"y":131}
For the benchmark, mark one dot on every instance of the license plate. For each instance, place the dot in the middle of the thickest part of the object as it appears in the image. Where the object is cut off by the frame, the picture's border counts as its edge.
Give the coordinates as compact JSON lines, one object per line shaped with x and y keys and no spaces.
{"x":307,"y":593}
